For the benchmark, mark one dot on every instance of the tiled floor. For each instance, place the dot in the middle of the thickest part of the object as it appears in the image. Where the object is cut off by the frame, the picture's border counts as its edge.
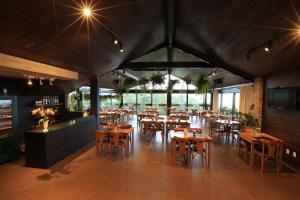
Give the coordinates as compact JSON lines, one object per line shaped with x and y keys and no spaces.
{"x":146,"y":174}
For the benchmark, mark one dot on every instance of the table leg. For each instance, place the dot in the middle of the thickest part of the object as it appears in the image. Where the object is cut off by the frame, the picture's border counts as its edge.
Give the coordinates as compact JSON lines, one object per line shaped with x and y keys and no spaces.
{"x":127,"y":147}
{"x":208,"y":155}
{"x":251,"y":154}
{"x":132,"y":140}
{"x":239,"y":143}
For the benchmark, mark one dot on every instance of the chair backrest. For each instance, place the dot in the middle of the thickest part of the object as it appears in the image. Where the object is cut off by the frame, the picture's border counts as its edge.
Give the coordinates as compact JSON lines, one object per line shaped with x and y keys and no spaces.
{"x":182,"y":144}
{"x":271,"y":146}
{"x":124,"y":126}
{"x":101,"y":136}
{"x":198,"y":145}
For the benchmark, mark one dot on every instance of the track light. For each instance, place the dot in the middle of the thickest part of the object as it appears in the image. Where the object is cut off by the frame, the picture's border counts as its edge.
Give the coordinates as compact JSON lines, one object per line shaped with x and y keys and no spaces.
{"x":41,"y":81}
{"x":51,"y":80}
{"x":29,"y":81}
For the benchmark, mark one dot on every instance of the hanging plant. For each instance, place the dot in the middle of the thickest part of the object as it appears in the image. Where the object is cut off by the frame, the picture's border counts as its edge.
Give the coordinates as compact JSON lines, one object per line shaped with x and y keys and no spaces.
{"x":187,"y":79}
{"x":202,"y":84}
{"x":143,"y":83}
{"x":129,"y":83}
{"x":157,"y":79}
{"x":171,"y":85}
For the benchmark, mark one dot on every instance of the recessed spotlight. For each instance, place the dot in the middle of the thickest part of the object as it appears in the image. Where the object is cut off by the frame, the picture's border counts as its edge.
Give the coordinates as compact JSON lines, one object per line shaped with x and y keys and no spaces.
{"x":87,"y":12}
{"x":121,"y":50}
{"x":116,"y":42}
{"x":267,"y":49}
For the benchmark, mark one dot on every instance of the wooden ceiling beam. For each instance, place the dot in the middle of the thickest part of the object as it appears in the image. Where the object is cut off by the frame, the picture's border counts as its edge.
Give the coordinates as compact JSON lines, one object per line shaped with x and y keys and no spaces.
{"x":214,"y":62}
{"x":165,"y":65}
{"x":23,"y":66}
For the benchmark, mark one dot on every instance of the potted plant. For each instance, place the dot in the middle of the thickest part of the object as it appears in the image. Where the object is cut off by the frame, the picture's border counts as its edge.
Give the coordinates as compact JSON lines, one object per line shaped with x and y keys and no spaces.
{"x":202,"y":84}
{"x":247,"y":121}
{"x":157,"y":79}
{"x":129,"y":83}
{"x":143,"y":83}
{"x":44,"y":115}
{"x":171,"y":85}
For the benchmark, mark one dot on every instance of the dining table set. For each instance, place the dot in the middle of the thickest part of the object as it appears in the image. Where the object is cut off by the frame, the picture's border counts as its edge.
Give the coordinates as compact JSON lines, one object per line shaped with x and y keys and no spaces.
{"x":162,"y":124}
{"x":111,"y":137}
{"x":261,"y":145}
{"x":188,"y":143}
{"x":114,"y":116}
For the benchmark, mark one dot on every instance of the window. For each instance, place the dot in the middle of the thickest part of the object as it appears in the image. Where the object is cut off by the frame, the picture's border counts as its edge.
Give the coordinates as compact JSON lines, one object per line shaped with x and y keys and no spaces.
{"x":179,"y":100}
{"x":129,"y":99}
{"x":144,"y":100}
{"x":159,"y":100}
{"x":196,"y":100}
{"x":227,"y":102}
{"x":237,"y":102}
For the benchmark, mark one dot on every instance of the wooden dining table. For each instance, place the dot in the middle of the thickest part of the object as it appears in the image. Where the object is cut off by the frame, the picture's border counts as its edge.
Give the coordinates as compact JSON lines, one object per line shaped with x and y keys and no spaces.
{"x":254,"y":139}
{"x":128,"y":132}
{"x":191,"y":136}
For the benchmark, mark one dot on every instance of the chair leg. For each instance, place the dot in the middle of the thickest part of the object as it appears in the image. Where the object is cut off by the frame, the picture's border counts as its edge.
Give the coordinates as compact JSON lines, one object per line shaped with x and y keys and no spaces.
{"x":262,"y":165}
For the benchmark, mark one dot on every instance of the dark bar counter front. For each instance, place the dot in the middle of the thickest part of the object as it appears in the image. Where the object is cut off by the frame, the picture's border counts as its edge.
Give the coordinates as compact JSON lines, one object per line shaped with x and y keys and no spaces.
{"x":45,"y":149}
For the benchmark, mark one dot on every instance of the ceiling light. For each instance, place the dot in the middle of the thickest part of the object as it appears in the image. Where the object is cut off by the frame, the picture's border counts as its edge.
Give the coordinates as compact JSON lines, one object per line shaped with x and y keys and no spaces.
{"x":121,"y":50}
{"x":116,"y":42}
{"x":51,"y":80}
{"x":29,"y":81}
{"x":267,"y":49}
{"x":87,"y":12}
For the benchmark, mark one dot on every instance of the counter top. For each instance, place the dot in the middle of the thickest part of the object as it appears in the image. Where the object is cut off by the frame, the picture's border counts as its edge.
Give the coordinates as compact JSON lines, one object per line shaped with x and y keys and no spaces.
{"x":58,"y":126}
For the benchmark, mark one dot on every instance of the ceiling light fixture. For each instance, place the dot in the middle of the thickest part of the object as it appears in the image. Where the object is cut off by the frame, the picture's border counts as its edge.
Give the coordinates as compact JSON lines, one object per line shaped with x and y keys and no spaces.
{"x":29,"y":81}
{"x":116,"y":42}
{"x":121,"y":50}
{"x":87,"y":12}
{"x":51,"y":80}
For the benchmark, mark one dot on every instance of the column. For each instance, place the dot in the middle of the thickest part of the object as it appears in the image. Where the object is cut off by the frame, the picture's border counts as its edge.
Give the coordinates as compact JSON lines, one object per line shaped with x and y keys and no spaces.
{"x":95,"y":101}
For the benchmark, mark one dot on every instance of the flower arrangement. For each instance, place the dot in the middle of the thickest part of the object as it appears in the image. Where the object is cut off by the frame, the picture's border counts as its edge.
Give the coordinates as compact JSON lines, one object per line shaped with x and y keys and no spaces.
{"x":44,"y":114}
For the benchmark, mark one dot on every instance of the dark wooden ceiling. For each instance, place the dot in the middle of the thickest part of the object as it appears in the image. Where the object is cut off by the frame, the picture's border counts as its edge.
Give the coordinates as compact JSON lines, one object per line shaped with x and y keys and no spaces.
{"x":221,"y":32}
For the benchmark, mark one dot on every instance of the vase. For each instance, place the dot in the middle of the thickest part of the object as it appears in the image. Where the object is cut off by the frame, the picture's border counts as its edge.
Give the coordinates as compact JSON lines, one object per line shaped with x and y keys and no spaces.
{"x":45,"y":126}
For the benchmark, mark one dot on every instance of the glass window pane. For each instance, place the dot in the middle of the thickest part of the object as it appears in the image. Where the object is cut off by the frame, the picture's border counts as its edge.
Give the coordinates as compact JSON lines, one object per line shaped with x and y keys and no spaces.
{"x":237,"y":102}
{"x":144,"y":100}
{"x":160,"y":102}
{"x":196,"y":100}
{"x":227,"y":102}
{"x":179,"y":100}
{"x":129,"y":99}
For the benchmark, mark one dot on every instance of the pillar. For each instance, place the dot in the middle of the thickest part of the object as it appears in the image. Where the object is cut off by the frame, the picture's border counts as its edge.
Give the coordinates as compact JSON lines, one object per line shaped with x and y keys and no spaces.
{"x":95,"y":100}
{"x":215,"y":101}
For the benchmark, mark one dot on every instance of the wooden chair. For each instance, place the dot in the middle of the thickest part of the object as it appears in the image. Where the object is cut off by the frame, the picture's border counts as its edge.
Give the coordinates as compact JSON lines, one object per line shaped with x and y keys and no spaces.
{"x":244,"y":148}
{"x":180,"y":147}
{"x":148,"y":130}
{"x":117,"y":142}
{"x":223,"y":131}
{"x":194,"y":113}
{"x":198,"y":148}
{"x":190,"y":129}
{"x":102,"y":140}
{"x":269,"y":149}
{"x":235,"y":130}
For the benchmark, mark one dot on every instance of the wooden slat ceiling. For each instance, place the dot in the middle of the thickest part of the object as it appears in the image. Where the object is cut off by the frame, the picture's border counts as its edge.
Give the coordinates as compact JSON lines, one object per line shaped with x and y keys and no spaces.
{"x":218,"y":31}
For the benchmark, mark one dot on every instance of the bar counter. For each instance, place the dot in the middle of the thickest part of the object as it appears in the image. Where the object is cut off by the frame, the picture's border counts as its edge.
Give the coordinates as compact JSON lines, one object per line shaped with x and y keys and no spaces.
{"x":45,"y":149}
